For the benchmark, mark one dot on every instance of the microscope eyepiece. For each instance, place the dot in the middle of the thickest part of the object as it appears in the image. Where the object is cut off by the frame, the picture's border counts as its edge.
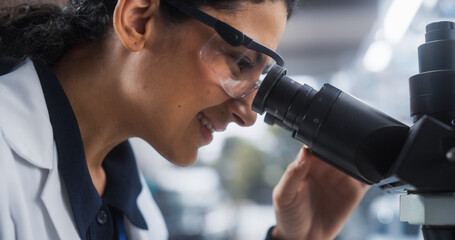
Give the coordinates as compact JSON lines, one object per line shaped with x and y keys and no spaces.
{"x":337,"y":127}
{"x":444,"y":30}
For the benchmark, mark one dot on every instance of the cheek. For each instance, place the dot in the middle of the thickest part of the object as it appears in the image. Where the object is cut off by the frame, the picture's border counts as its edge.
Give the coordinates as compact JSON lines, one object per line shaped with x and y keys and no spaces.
{"x":196,"y":91}
{"x":194,"y":76}
{"x":209,"y":87}
{"x":185,"y":89}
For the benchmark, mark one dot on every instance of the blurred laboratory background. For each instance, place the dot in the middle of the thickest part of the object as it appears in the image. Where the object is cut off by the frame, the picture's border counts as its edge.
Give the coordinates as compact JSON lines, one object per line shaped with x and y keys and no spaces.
{"x":367,"y":48}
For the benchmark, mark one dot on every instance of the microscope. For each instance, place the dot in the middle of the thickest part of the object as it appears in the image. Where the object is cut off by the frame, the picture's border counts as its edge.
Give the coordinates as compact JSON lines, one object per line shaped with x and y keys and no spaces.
{"x":374,"y":148}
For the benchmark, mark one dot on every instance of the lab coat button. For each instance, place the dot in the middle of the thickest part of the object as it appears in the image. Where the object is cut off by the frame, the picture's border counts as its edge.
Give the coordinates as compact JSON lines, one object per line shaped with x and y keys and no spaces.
{"x":101,"y":217}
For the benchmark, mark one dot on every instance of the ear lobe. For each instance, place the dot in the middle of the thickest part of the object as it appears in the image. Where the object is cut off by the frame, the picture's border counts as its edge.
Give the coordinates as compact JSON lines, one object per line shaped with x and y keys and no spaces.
{"x":133,"y":21}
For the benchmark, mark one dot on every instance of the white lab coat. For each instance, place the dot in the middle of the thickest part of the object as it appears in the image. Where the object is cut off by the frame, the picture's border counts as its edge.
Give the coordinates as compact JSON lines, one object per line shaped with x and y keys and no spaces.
{"x":33,"y":201}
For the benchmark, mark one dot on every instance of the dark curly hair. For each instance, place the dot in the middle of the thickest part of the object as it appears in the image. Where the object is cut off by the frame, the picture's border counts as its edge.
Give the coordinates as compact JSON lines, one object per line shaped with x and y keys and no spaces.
{"x":46,"y":32}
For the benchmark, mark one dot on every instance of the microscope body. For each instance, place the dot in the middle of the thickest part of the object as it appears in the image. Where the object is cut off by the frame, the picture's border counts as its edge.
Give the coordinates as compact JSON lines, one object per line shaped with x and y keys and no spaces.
{"x":427,"y":160}
{"x":375,"y":148}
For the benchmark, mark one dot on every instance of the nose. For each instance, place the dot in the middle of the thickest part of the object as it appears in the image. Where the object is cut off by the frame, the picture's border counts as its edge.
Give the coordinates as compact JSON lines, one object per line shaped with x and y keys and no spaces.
{"x":241,"y":111}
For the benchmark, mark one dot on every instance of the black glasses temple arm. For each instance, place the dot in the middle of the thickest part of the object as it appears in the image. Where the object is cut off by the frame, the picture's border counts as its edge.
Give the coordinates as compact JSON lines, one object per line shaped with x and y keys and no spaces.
{"x":227,"y":32}
{"x":253,"y":45}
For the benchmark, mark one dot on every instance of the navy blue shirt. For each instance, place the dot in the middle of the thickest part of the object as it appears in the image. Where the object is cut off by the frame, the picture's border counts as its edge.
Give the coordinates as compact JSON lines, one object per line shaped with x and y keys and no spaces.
{"x":96,"y":217}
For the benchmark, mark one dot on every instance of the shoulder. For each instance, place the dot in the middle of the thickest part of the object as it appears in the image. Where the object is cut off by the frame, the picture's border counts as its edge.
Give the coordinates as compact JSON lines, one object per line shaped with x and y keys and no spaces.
{"x":5,"y":159}
{"x":21,"y":202}
{"x":6,"y":223}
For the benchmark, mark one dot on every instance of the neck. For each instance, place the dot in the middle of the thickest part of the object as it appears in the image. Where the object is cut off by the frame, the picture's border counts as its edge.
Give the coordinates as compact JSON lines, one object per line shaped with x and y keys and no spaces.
{"x":88,"y":80}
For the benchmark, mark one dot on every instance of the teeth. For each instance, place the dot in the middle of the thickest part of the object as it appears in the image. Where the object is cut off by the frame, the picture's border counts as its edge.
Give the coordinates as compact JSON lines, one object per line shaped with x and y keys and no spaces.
{"x":206,"y":122}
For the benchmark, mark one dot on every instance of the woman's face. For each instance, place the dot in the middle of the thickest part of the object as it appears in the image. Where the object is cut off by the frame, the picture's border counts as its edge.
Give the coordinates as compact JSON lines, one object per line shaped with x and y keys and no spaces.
{"x":178,"y":99}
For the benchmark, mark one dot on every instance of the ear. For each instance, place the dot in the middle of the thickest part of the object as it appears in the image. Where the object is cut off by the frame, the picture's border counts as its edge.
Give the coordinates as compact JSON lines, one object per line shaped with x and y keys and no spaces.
{"x":133,"y":21}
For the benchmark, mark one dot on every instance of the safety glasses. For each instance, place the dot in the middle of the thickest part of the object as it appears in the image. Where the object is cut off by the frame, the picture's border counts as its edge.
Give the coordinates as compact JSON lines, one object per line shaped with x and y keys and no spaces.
{"x":239,"y":62}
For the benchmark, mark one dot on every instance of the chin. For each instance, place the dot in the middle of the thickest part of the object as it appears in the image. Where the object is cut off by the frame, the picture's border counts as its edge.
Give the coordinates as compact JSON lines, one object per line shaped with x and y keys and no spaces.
{"x":182,"y":159}
{"x":182,"y":156}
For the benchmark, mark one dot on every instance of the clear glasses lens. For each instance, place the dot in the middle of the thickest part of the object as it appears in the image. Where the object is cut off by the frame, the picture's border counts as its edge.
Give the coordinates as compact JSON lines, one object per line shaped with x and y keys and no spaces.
{"x":239,"y":69}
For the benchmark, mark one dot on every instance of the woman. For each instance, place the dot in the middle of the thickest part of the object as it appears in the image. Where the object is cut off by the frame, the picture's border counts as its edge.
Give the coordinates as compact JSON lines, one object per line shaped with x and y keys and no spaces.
{"x":84,"y":79}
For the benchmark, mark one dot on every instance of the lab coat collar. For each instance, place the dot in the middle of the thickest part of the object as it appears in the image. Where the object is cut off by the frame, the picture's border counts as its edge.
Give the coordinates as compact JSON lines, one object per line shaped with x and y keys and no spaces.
{"x":84,"y":199}
{"x":24,"y":118}
{"x":123,"y":183}
{"x":26,"y":127}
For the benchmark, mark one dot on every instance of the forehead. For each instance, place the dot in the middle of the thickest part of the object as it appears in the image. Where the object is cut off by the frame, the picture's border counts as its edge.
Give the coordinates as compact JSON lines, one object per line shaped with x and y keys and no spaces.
{"x":264,"y":22}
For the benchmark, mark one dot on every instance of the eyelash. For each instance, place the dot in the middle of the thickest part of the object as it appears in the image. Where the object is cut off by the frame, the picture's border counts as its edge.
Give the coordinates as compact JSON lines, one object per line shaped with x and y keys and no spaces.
{"x":244,"y":63}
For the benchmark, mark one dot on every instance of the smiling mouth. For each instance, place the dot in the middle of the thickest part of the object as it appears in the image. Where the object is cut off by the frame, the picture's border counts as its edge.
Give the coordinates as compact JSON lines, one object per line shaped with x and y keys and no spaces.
{"x":206,"y":122}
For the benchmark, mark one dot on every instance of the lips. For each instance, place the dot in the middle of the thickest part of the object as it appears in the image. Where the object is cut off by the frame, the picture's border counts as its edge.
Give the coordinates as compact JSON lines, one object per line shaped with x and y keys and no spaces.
{"x":213,"y":126}
{"x":206,"y":122}
{"x":208,"y":127}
